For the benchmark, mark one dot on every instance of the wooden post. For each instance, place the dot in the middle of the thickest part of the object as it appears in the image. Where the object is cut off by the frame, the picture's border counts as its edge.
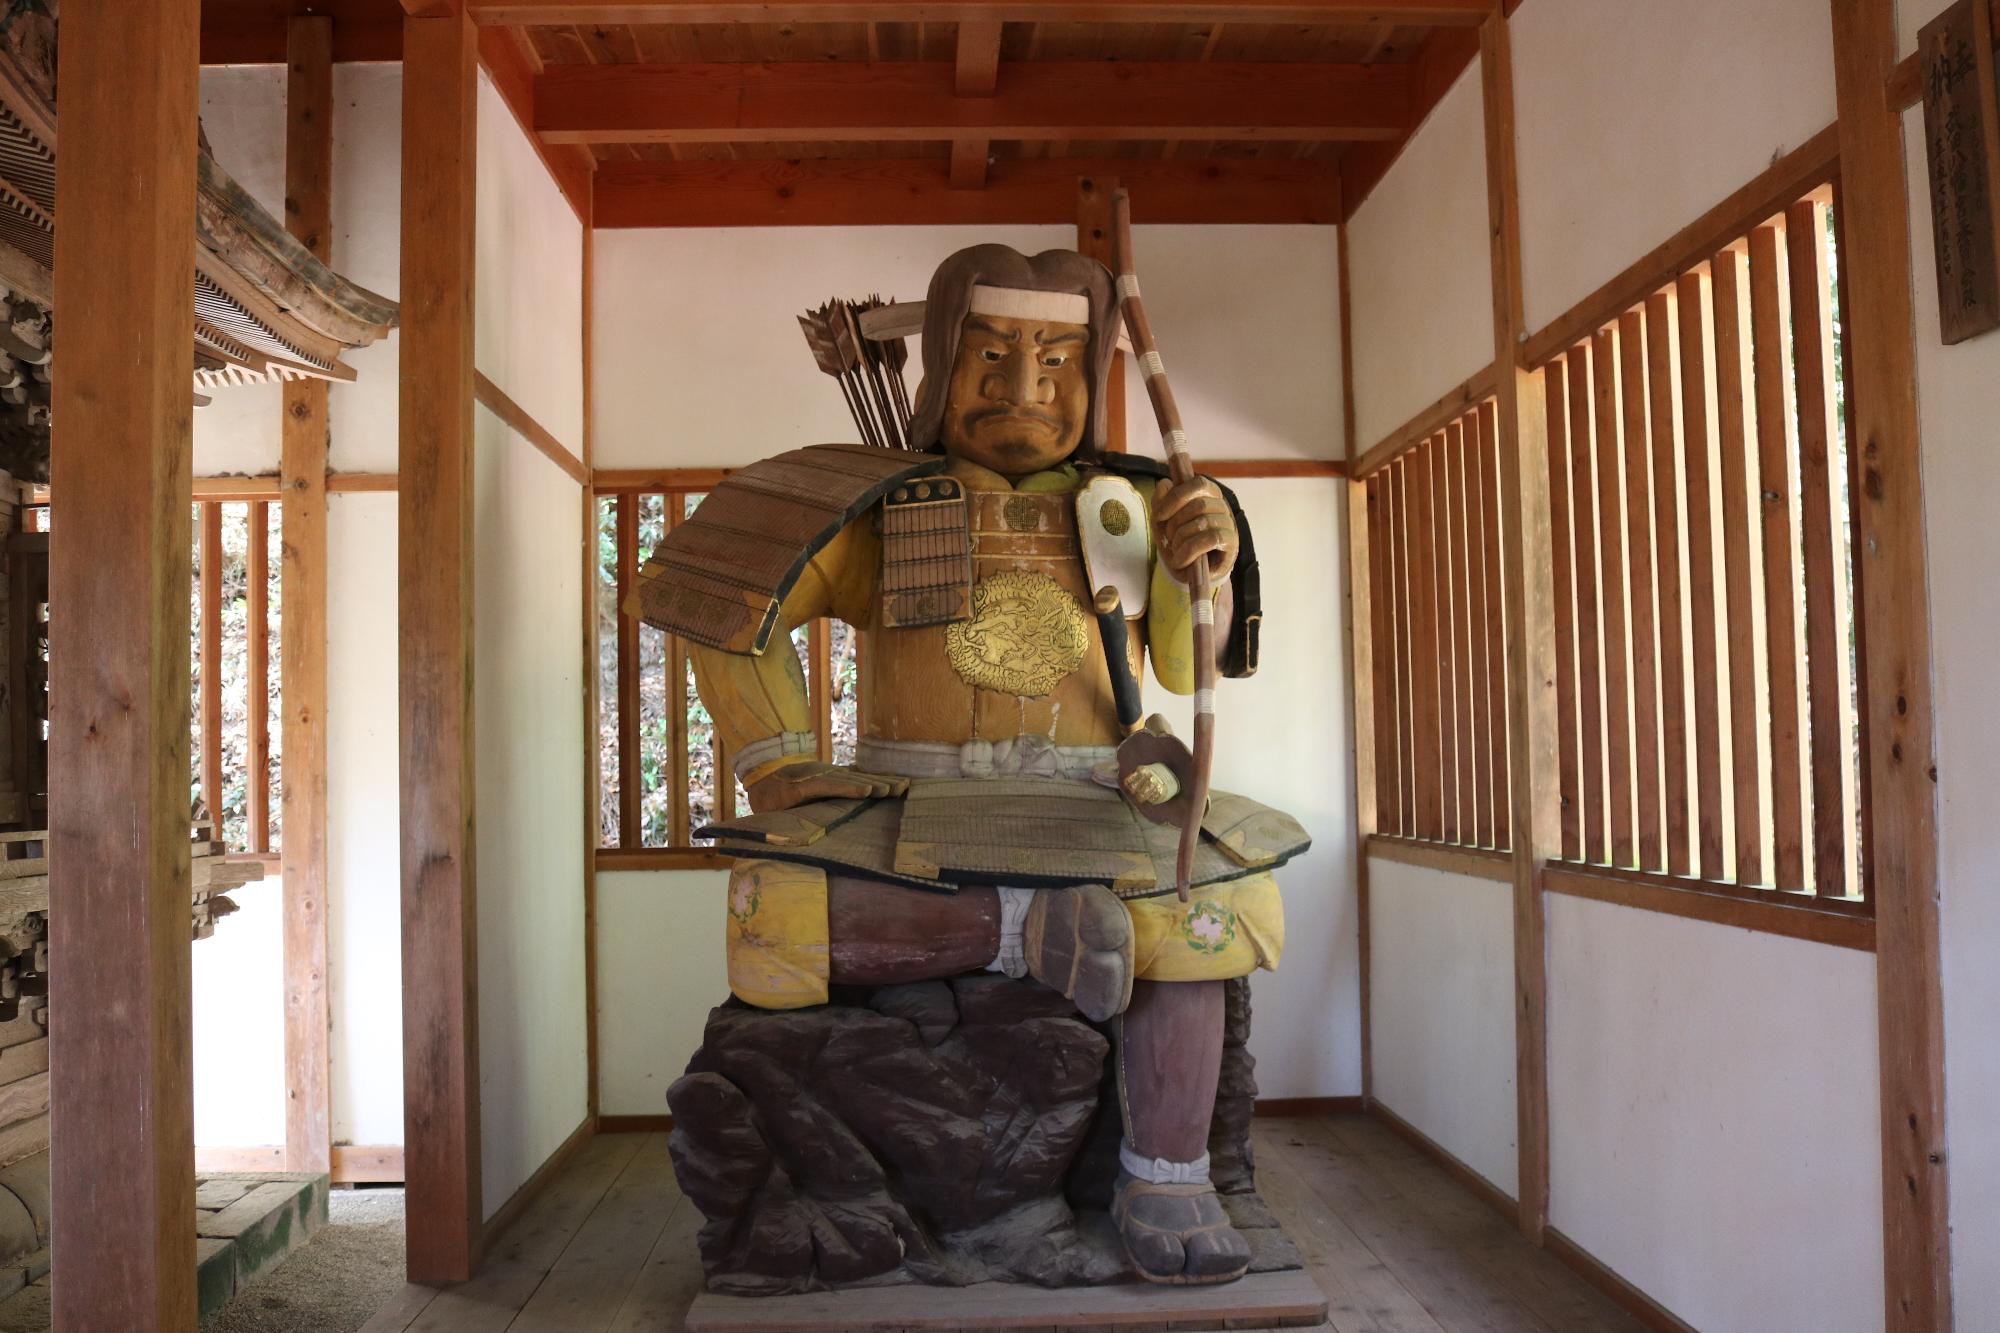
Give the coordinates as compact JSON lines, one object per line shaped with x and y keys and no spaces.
{"x":1527,"y":582}
{"x":1366,"y":614}
{"x":257,"y":575}
{"x":629,"y":833}
{"x":1093,"y":238}
{"x":590,"y":733}
{"x":1901,"y":779}
{"x":302,"y":630}
{"x":434,"y":558}
{"x":122,"y":1174}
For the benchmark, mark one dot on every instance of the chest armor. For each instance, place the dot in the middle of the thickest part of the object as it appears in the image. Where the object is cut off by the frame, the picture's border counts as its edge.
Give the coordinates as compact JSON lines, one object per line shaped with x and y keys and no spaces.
{"x":1025,"y":659}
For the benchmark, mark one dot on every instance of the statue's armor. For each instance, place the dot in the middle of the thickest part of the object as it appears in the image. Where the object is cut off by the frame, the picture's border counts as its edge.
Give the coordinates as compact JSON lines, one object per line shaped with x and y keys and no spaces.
{"x":1027,"y":660}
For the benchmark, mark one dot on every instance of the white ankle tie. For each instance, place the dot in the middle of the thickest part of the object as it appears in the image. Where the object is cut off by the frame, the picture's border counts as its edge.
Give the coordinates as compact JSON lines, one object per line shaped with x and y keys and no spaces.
{"x":1160,"y":1171}
{"x":1012,"y":958}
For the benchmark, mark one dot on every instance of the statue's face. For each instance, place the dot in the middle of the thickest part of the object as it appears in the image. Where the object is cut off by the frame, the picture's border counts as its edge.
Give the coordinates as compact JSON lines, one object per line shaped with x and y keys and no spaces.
{"x":1019,"y":395}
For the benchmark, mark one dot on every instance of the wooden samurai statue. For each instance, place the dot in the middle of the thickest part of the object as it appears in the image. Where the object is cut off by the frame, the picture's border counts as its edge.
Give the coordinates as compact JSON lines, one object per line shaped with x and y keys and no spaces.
{"x":983,"y":824}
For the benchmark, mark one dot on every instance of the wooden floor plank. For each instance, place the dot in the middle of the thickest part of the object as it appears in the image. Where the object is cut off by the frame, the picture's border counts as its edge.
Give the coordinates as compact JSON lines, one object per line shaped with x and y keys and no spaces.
{"x":1457,"y":1291}
{"x":1533,"y":1277}
{"x":670,"y":1280}
{"x":1396,"y":1245}
{"x":402,"y":1309}
{"x":544,"y":1231}
{"x":596,"y":1271}
{"x":1363,"y":1295}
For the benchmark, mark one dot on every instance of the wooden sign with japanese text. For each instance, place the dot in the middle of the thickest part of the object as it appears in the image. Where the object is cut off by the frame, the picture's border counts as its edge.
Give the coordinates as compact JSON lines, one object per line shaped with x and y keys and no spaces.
{"x":1962,"y":146}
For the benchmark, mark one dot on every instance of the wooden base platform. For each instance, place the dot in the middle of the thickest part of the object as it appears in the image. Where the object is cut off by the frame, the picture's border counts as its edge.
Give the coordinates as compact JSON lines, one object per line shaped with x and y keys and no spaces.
{"x":1259,"y":1300}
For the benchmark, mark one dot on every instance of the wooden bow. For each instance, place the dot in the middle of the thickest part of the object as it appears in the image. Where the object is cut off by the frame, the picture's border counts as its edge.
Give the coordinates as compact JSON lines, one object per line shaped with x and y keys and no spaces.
{"x":1181,"y":468}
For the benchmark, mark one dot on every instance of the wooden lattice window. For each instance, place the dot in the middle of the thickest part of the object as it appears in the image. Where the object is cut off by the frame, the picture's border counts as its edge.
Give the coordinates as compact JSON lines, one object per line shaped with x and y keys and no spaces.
{"x":1440,"y":682}
{"x":1701,"y":545}
{"x":233,"y":626}
{"x":659,"y":757}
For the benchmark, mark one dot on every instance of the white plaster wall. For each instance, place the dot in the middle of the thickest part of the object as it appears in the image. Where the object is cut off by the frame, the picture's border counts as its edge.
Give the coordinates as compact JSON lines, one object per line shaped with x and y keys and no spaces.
{"x":238,"y":1025}
{"x":699,"y":362}
{"x":1282,"y":737}
{"x":1441,"y":1006}
{"x":363,"y":817}
{"x":528,"y":780}
{"x":1713,"y":1123}
{"x":1958,"y":399}
{"x":1420,"y":269}
{"x":1248,"y":320}
{"x":659,"y":971}
{"x":1633,"y":117}
{"x":528,"y":328}
{"x":367,"y":249}
{"x":528,"y":678}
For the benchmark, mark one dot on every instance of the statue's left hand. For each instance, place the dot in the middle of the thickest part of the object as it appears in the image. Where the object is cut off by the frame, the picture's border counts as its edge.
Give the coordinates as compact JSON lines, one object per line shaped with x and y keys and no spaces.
{"x":1192,"y":522}
{"x":796,"y":784}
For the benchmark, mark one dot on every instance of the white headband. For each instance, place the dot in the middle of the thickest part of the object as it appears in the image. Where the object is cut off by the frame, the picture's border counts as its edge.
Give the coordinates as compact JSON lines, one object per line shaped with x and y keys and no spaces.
{"x":1019,"y":303}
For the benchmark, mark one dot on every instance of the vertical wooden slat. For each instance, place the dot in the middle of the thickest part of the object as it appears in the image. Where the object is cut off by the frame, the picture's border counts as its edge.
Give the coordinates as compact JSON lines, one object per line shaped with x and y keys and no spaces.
{"x":121,"y":1174}
{"x":1479,"y":695}
{"x":1454,"y":621}
{"x":677,"y":723}
{"x":1812,"y":370}
{"x":1900,"y":728}
{"x":1696,"y":326}
{"x":1473,"y":820}
{"x":1590,"y":710}
{"x":819,"y":651}
{"x":1639,"y":586}
{"x":1425,"y":653}
{"x":1612,"y":589}
{"x":1857,"y":624}
{"x":257,"y":574}
{"x":1734,"y":407}
{"x":1500,"y":766}
{"x":302,"y":643}
{"x":1770,"y":323}
{"x":626,"y":524}
{"x":1555,"y":389}
{"x":1388,"y":784}
{"x":1663,"y":385}
{"x":1402,"y":589}
{"x":441,"y":1153}
{"x":1439,"y":542}
{"x":211,"y":663}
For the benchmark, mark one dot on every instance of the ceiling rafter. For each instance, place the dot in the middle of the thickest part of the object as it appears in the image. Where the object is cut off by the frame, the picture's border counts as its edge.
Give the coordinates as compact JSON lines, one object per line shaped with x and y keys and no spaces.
{"x":976,"y":74}
{"x":1420,"y":13}
{"x":917,"y":101}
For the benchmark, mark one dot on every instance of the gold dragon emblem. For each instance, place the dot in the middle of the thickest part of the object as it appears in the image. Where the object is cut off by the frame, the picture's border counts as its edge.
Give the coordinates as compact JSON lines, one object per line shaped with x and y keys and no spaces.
{"x":1024,"y":636}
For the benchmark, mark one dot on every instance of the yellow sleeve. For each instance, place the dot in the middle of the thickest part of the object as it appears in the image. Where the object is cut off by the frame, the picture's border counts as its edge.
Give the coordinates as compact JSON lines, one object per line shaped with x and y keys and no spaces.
{"x":760,"y":704}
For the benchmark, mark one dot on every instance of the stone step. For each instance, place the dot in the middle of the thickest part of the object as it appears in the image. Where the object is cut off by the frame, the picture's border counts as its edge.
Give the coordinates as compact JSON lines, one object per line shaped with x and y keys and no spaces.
{"x":245,"y":1223}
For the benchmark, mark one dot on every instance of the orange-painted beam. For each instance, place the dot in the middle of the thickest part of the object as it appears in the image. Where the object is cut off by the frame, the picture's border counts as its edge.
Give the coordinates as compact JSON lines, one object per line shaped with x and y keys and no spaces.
{"x":859,"y":192}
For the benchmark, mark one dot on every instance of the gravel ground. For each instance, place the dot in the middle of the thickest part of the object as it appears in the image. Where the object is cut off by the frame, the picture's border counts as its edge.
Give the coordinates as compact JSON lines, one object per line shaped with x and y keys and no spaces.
{"x":337,"y":1282}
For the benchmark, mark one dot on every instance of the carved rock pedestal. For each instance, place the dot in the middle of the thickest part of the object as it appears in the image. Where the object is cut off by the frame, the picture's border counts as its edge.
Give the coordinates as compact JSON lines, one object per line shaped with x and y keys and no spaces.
{"x":946,"y":1132}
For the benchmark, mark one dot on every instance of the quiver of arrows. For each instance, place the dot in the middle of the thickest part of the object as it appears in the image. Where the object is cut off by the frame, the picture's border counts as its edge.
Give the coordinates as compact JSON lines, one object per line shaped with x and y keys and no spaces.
{"x":869,"y":372}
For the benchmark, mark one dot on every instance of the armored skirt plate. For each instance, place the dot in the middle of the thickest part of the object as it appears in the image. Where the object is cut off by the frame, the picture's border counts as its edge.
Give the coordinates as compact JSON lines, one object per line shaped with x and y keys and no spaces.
{"x":1034,"y":832}
{"x":1289,"y":1299}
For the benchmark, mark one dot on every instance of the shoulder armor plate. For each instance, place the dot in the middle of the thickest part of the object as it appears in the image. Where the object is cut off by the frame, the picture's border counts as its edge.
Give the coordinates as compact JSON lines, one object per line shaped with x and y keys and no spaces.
{"x":719,"y":578}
